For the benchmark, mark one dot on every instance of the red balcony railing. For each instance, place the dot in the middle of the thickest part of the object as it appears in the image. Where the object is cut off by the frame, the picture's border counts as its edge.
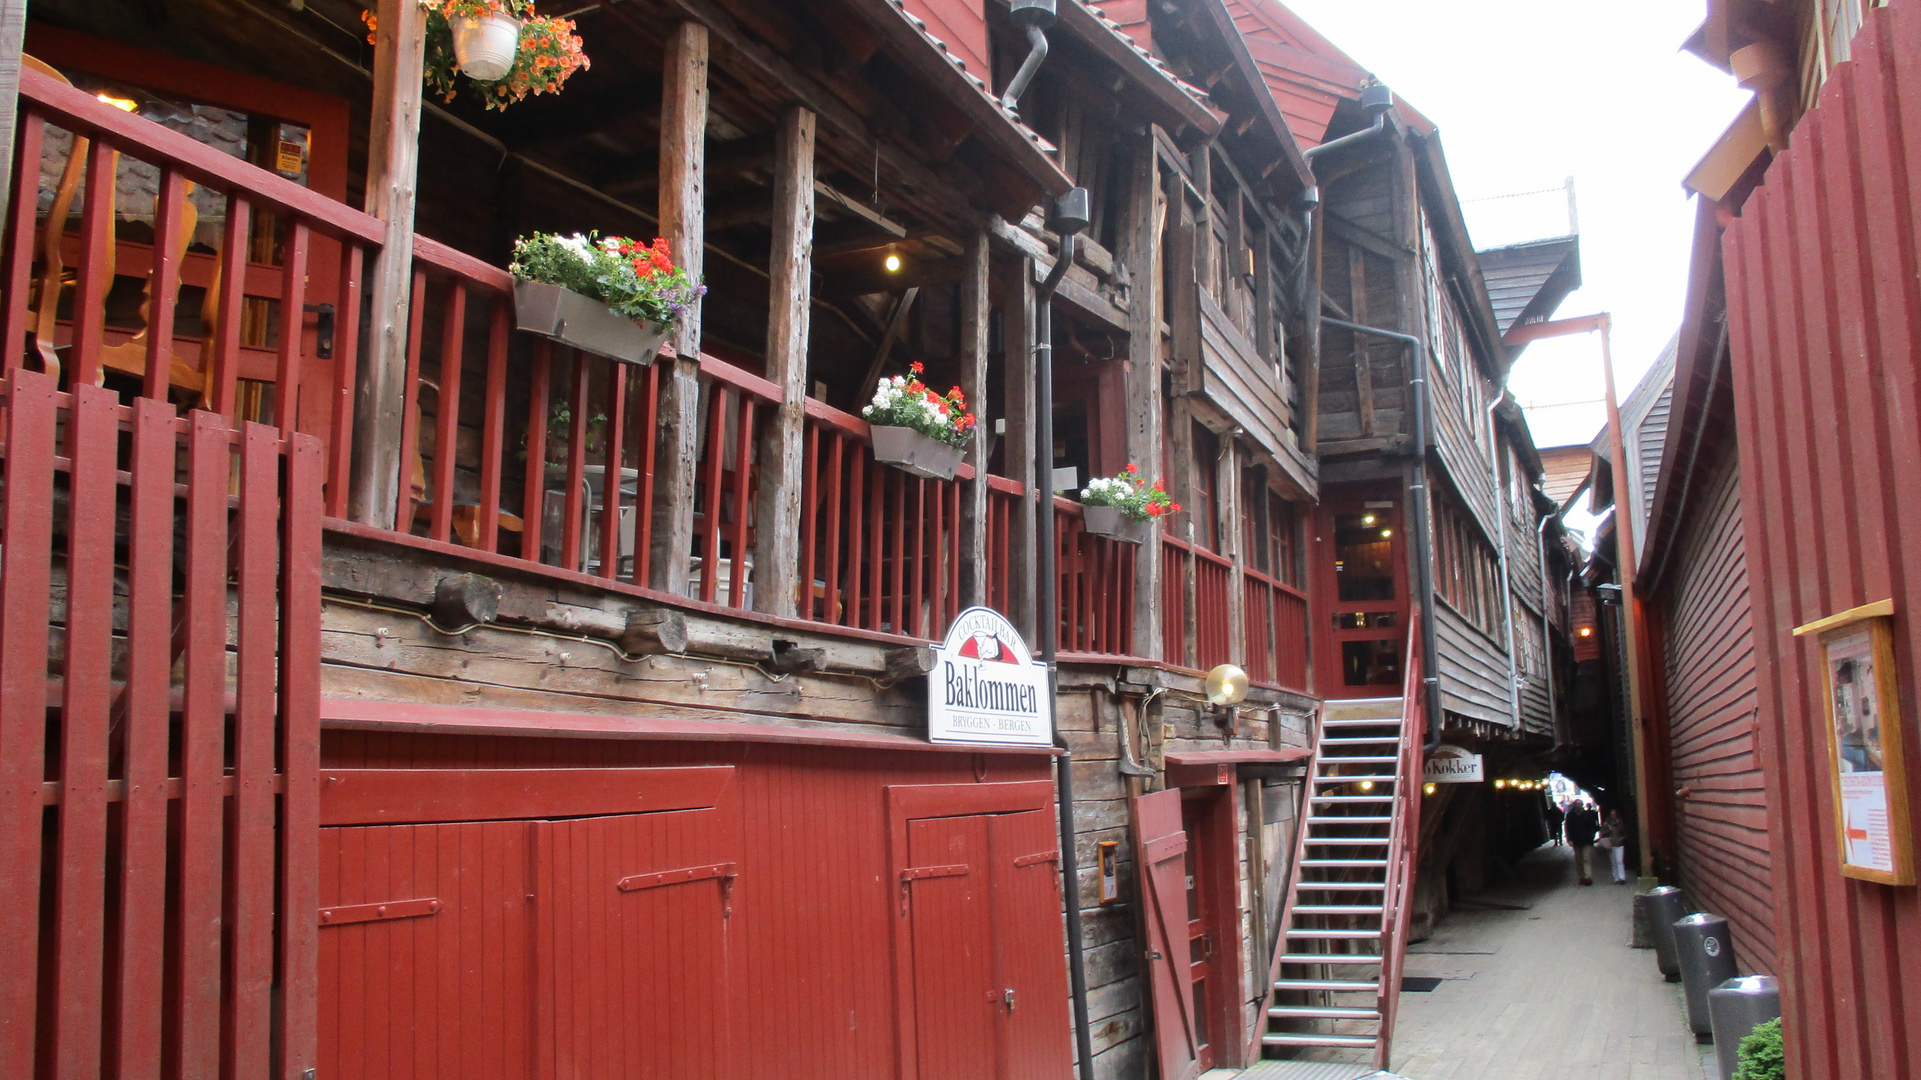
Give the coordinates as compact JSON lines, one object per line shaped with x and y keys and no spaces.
{"x":1096,"y":586}
{"x":1274,"y":616}
{"x":1213,"y":627}
{"x":1176,"y":557}
{"x":1003,"y":498}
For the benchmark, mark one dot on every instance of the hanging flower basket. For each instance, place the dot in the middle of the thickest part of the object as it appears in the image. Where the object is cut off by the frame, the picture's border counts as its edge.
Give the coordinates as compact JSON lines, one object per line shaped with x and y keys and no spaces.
{"x":915,"y":453}
{"x":917,"y":430}
{"x":1114,"y":523}
{"x":485,"y":45}
{"x":612,"y":297}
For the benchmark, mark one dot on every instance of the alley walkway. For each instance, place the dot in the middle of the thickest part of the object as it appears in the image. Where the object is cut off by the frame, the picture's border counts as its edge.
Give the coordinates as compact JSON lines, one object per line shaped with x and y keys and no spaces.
{"x":1538,"y":982}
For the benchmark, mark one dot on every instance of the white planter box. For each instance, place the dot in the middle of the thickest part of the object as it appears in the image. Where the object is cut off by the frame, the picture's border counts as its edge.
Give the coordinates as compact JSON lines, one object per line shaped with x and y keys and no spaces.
{"x":1111,"y":522}
{"x":910,"y":451}
{"x":584,"y":323}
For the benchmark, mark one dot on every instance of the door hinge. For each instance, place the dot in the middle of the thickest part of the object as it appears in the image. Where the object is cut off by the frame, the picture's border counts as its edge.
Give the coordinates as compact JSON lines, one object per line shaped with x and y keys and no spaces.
{"x":1038,"y":858}
{"x":919,"y":873}
{"x":725,"y":873}
{"x":345,"y":914}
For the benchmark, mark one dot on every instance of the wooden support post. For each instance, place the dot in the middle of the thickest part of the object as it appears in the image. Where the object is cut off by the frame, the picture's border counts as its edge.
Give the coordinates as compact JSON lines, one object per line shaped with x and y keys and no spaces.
{"x":1017,"y":443}
{"x":465,"y":600}
{"x":1311,"y":340}
{"x":393,"y":167}
{"x":973,"y":381}
{"x":1233,"y":511}
{"x":1145,"y":417}
{"x":683,"y":148}
{"x":1364,"y":344}
{"x":790,"y":270}
{"x":655,"y":632}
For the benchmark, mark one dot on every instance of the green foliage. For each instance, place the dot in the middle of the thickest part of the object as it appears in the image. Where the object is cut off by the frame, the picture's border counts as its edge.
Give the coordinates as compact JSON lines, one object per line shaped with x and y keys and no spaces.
{"x":1761,"y":1056}
{"x":636,"y":281}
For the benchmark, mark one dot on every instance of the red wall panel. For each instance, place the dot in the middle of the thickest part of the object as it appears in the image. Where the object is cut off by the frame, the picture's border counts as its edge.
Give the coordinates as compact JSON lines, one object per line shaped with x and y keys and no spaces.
{"x":1824,"y":305}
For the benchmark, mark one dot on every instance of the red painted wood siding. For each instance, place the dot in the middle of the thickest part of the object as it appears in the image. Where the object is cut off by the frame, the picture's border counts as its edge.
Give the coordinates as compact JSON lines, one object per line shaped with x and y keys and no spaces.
{"x":962,"y":26}
{"x":818,"y":897}
{"x":1707,"y":642}
{"x":1823,"y":310}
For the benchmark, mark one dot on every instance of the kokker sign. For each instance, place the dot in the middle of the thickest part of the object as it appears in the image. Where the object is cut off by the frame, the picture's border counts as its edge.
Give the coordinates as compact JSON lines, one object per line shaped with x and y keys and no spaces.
{"x":1453,"y":765}
{"x":986,"y":687}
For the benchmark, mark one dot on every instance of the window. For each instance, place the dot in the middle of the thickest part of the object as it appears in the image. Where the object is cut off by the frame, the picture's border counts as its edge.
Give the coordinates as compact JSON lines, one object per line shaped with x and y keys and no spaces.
{"x":1284,"y":538}
{"x":1467,"y":571}
{"x":1207,"y":458}
{"x":1363,"y":558}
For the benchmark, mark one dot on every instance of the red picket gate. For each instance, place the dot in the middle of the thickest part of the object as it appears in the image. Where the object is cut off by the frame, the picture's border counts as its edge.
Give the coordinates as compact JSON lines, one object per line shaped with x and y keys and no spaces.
{"x":159,"y":719}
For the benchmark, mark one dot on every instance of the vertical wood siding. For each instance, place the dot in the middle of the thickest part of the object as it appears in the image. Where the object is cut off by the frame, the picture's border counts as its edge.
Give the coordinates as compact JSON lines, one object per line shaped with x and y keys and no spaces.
{"x":1823,"y":305}
{"x":1707,"y":642}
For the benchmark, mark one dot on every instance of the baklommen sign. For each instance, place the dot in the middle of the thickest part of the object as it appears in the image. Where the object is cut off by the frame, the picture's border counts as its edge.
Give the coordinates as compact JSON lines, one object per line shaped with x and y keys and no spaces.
{"x":986,"y":687}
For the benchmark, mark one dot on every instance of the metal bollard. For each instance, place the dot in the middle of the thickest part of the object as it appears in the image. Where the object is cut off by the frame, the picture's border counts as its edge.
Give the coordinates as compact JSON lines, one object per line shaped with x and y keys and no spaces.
{"x":1736,"y":1008}
{"x":1707,"y":960}
{"x":1664,"y":905}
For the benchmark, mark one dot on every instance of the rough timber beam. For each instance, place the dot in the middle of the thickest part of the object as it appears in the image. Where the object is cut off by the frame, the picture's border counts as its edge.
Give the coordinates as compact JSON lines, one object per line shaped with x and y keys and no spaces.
{"x":683,"y":148}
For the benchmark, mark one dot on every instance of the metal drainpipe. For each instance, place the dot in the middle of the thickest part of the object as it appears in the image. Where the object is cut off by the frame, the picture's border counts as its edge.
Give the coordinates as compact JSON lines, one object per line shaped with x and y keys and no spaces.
{"x":1376,"y":99}
{"x":1507,"y":595}
{"x":1036,"y":16}
{"x":1547,"y":627}
{"x":1423,"y":536}
{"x":1070,"y":216}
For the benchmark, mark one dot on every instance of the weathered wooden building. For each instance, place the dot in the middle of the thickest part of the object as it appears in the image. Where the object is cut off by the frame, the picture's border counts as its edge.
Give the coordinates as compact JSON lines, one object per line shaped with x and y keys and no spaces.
{"x":1785,"y":482}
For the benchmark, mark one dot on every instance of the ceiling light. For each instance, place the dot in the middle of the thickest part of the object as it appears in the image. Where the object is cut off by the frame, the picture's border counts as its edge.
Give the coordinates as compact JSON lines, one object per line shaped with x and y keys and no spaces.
{"x":1587,"y":631}
{"x":1367,"y":785}
{"x":1367,"y":519}
{"x":892,"y":261}
{"x":1385,"y":533}
{"x":1500,"y":783}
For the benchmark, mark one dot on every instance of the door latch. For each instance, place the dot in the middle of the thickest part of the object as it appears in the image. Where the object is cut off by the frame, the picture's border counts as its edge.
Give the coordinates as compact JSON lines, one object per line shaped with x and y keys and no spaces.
{"x":1009,"y":998}
{"x":323,"y":329}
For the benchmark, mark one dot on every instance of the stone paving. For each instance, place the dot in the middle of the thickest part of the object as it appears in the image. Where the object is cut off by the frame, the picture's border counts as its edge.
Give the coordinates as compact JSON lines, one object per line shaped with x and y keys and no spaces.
{"x":1538,"y":982}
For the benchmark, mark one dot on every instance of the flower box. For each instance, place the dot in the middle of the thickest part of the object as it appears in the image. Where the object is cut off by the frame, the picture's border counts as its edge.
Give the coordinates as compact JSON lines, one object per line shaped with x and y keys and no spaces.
{"x":912,"y":452}
{"x":1114,"y":523}
{"x":584,"y":323}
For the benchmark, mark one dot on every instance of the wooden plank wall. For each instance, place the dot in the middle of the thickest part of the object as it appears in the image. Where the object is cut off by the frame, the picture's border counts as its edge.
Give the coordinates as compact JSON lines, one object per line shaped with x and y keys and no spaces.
{"x":1707,"y":665}
{"x":1361,"y":398}
{"x":1823,"y":308}
{"x":1473,"y":669}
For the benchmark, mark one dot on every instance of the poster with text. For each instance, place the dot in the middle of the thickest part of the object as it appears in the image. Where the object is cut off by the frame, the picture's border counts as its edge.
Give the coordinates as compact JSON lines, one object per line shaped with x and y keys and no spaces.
{"x":1863,"y":732}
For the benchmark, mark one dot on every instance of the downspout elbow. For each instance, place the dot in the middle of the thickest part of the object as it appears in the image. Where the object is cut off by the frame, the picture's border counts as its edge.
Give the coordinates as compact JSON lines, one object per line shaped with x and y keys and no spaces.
{"x":1036,"y":16}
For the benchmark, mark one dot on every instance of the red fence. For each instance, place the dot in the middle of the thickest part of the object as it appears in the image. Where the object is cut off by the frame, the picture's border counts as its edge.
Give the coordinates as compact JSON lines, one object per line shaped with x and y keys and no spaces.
{"x":1096,"y":586}
{"x":282,"y":295}
{"x":1274,"y":616}
{"x":162,"y":814}
{"x":1823,"y":312}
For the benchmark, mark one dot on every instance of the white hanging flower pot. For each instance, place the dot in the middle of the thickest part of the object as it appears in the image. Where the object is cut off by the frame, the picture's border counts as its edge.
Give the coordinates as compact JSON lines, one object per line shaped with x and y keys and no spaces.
{"x":484,"y":46}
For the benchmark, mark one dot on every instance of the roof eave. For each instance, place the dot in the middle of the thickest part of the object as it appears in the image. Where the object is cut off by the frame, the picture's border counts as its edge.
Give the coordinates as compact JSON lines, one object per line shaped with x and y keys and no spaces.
{"x":1179,"y":105}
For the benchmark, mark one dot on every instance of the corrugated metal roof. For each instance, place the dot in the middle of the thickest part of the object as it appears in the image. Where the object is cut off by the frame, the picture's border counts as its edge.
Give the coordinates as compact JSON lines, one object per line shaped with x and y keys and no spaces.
{"x":1307,"y":74}
{"x":1526,"y":282}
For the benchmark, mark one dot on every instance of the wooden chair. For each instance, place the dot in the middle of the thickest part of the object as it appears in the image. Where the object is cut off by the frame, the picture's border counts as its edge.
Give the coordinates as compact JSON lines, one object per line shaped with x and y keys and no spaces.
{"x":131,"y":355}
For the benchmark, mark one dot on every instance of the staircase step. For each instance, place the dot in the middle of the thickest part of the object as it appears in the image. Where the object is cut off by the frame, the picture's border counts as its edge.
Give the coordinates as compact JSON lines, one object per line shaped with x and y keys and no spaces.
{"x":1337,"y":909}
{"x":1353,"y":798}
{"x":1363,"y":1042}
{"x":1343,"y":862}
{"x":1334,"y":959}
{"x":1321,"y":1012}
{"x":1379,"y":722}
{"x":1359,"y":740}
{"x":1342,"y":708}
{"x":1342,"y":886}
{"x":1388,"y":779}
{"x":1332,"y":986}
{"x":1370,"y":759}
{"x":1314,"y":819}
{"x":1350,"y":935}
{"x":1349,"y":841}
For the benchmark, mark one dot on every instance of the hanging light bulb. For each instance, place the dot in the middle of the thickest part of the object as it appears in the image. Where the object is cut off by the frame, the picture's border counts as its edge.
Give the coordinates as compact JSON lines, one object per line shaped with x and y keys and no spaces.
{"x":892,"y":261}
{"x":1367,"y":785}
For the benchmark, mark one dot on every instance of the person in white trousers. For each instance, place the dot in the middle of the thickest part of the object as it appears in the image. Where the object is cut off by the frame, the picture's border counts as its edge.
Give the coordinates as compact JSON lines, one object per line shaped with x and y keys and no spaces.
{"x":1614,"y":837}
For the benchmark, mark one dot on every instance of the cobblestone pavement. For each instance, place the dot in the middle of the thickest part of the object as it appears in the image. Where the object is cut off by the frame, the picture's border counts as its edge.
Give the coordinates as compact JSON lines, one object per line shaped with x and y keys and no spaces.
{"x":1538,"y":981}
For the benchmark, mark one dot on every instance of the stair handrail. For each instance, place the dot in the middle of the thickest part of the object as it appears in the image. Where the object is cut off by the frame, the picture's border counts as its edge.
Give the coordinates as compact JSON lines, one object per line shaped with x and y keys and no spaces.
{"x":1403,"y":837}
{"x":1278,"y":947}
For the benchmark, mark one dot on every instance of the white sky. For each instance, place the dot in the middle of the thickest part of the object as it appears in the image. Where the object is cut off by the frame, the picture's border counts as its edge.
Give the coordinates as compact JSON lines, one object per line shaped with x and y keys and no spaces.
{"x":1529,"y":92}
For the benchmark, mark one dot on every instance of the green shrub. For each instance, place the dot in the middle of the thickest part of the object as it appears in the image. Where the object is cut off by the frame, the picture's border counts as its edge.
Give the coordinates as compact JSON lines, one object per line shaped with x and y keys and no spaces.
{"x":1760,"y":1055}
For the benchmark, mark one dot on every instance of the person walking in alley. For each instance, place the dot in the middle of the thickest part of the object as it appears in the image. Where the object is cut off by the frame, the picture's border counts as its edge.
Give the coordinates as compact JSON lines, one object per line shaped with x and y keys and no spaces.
{"x":1614,"y":837}
{"x":1555,"y":818}
{"x":1582,"y":826}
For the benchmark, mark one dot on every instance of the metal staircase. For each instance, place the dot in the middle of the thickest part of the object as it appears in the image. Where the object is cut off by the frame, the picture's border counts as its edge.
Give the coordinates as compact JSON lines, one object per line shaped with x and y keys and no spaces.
{"x":1336,"y":971}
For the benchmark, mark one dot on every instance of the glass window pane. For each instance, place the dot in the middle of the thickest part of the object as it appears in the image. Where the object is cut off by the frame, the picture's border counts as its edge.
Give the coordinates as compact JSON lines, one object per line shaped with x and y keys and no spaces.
{"x":1363,"y":557}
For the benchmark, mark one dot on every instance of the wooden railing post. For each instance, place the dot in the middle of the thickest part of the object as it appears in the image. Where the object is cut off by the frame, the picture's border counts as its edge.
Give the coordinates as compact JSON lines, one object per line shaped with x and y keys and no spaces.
{"x":392,"y":172}
{"x":973,"y":382}
{"x":1017,"y":447}
{"x":683,"y":149}
{"x":790,"y":268}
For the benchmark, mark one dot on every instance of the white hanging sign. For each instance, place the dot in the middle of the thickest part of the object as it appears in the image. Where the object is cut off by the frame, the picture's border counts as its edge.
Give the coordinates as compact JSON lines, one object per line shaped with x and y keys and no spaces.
{"x":1453,"y":765}
{"x":986,"y":687}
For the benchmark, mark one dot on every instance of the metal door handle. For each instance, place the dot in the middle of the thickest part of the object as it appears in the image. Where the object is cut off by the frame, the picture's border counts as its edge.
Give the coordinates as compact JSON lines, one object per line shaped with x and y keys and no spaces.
{"x":1009,"y":997}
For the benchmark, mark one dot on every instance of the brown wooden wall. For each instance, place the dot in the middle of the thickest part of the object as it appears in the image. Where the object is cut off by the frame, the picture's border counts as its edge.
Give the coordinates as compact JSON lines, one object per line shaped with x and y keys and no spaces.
{"x":1707,"y":666}
{"x":1823,"y":306}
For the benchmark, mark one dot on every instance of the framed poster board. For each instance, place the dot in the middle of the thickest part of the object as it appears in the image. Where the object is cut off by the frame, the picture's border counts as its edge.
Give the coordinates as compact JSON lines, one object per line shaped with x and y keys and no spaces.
{"x":1864,"y":742}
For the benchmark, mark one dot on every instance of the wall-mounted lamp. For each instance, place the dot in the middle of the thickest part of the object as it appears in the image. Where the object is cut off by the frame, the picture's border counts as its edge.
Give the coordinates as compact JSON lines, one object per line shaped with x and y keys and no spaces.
{"x":1225,"y":687}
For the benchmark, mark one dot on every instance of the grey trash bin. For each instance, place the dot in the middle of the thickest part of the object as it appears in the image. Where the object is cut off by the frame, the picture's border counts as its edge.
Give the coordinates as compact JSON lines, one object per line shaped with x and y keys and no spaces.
{"x":1707,"y":960}
{"x":1737,"y":1007}
{"x":1664,"y":905}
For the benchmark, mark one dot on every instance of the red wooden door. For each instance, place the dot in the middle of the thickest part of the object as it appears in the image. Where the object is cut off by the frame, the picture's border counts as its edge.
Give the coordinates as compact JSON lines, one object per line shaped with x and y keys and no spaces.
{"x":426,"y":955}
{"x":955,"y":1003}
{"x":1161,"y":848}
{"x":1199,"y":954}
{"x":631,"y":923}
{"x":1029,"y":953}
{"x":1363,"y":597}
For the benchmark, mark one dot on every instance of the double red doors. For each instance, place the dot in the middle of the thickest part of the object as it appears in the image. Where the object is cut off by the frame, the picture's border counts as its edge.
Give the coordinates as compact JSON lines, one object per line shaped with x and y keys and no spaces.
{"x":593,"y":947}
{"x":983,"y":947}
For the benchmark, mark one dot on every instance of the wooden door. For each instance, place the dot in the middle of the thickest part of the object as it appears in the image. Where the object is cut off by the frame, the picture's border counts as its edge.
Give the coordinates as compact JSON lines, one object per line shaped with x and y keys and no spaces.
{"x":1161,"y":850}
{"x":426,"y":960}
{"x":632,"y":920}
{"x":1363,"y":600}
{"x":1029,"y":954}
{"x":956,"y":1000}
{"x":1197,"y":960}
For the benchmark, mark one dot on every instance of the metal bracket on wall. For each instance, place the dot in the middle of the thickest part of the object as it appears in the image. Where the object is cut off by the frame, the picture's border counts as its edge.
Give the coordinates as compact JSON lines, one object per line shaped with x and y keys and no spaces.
{"x":918,"y":873}
{"x":725,"y":873}
{"x":384,"y":912}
